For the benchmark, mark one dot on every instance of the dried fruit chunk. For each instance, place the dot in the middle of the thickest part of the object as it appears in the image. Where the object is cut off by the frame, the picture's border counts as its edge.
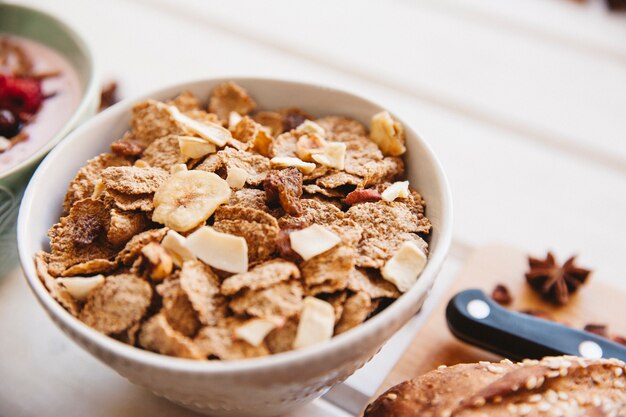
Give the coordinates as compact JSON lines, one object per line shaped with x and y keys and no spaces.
{"x":82,"y":186}
{"x":116,"y":305}
{"x":203,"y":290}
{"x":364,"y":195}
{"x":194,"y":148}
{"x":251,"y":135}
{"x":313,"y":241}
{"x":310,"y":127}
{"x":387,"y":134}
{"x":158,"y":262}
{"x":258,"y":228}
{"x":399,"y":189}
{"x":228,"y":97}
{"x":58,"y":292}
{"x":283,"y":245}
{"x":328,"y":272}
{"x":234,"y":119}
{"x":284,"y":187}
{"x":220,"y":250}
{"x":248,"y":131}
{"x":158,"y":336}
{"x":237,"y":177}
{"x":255,"y":330}
{"x":308,"y":145}
{"x":187,"y":198}
{"x":205,"y":129}
{"x":80,"y":287}
{"x":356,"y":309}
{"x":289,"y":161}
{"x":219,"y":342}
{"x":333,"y":155}
{"x":177,"y":308}
{"x":261,"y":276}
{"x":174,"y":243}
{"x":405,"y":266}
{"x":283,"y":299}
{"x":316,"y":323}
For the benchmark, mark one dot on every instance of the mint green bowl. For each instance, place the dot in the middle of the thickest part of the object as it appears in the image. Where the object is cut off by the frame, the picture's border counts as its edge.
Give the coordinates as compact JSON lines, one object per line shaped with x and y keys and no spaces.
{"x":50,"y":31}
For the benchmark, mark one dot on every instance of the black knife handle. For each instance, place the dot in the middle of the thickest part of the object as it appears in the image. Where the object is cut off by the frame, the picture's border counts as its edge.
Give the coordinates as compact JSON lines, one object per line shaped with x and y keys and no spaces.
{"x":476,"y":319}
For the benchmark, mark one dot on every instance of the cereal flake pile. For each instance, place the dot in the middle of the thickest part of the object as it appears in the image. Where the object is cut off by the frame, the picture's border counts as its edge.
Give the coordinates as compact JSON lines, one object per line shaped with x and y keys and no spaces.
{"x":233,"y":233}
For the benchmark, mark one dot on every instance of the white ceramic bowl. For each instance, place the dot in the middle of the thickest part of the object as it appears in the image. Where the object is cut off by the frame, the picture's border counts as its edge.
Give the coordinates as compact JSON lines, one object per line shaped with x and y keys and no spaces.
{"x":265,"y":386}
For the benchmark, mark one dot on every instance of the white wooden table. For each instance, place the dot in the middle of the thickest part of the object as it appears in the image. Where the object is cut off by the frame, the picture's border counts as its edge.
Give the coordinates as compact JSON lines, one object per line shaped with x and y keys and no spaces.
{"x":524,"y":101}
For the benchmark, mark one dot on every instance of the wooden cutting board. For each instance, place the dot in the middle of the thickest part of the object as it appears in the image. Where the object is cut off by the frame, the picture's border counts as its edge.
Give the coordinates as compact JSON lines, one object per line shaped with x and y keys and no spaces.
{"x":434,"y":345}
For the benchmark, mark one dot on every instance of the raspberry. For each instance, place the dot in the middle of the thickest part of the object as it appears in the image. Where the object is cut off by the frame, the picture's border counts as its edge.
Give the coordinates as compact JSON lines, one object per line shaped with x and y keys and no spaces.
{"x":22,"y":96}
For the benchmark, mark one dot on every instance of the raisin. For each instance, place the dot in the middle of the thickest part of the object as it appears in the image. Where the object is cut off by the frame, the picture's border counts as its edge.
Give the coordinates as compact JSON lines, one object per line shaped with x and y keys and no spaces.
{"x":284,"y":187}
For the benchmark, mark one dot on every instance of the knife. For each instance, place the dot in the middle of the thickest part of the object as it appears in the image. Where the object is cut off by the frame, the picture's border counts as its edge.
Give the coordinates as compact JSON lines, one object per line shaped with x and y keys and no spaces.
{"x":476,"y":319}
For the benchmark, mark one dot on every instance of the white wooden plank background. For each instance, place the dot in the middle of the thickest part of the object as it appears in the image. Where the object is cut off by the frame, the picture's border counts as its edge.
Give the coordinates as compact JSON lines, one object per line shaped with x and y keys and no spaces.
{"x":524,"y":102}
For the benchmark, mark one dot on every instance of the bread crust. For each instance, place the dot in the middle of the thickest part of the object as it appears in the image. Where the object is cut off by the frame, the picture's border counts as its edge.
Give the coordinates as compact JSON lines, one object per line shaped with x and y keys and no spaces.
{"x":554,"y":386}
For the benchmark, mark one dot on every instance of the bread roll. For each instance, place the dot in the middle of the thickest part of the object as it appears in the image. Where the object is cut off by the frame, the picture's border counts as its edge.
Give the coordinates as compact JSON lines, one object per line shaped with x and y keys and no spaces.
{"x":555,"y":386}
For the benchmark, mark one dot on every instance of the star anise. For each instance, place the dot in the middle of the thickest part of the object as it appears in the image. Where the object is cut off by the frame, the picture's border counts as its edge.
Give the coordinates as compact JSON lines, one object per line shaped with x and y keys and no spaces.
{"x":554,"y":282}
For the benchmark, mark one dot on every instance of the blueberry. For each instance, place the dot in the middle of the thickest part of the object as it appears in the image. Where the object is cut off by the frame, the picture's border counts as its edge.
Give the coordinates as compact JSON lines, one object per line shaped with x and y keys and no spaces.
{"x":9,"y":124}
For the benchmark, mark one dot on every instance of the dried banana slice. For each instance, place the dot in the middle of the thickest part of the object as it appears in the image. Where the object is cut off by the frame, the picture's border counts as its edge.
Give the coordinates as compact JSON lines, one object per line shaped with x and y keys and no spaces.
{"x":188,"y":198}
{"x":193,"y":148}
{"x":333,"y":155}
{"x":212,"y":132}
{"x":387,"y":134}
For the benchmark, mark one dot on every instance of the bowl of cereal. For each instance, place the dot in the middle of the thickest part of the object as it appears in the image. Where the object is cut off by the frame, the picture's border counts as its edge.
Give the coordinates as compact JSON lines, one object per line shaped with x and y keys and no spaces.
{"x":236,"y":246}
{"x":47,"y":87}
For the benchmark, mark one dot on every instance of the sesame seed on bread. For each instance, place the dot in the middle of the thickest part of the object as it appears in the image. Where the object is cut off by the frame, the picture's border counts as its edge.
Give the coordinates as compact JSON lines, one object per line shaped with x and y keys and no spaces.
{"x":554,"y":386}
